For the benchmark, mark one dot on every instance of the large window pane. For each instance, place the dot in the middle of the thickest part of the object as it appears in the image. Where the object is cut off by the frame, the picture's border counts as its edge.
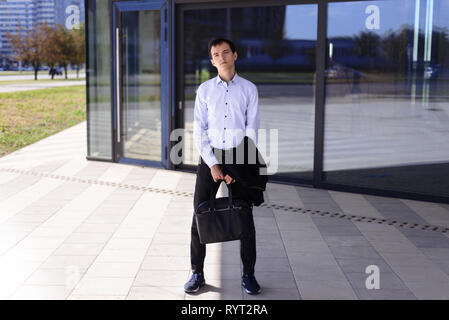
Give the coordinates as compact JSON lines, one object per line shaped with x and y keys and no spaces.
{"x":387,"y":107}
{"x":99,"y":74}
{"x":276,"y":50}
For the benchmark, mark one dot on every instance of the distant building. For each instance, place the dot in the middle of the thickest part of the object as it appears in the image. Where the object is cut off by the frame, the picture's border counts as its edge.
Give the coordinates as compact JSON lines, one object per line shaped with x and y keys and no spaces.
{"x":29,"y":13}
{"x":69,"y":12}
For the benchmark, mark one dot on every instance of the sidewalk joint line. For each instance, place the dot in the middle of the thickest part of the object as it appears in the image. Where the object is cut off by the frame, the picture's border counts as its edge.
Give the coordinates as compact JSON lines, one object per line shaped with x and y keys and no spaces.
{"x":335,"y":215}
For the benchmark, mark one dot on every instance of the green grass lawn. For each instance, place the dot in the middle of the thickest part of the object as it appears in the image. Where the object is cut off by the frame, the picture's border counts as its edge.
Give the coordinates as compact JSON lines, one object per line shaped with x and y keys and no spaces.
{"x":29,"y":116}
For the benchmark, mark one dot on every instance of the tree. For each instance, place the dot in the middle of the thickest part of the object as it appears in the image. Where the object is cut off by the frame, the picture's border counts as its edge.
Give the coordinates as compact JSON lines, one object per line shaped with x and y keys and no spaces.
{"x":51,"y":54}
{"x":65,"y":44}
{"x":78,"y":55}
{"x":28,"y":47}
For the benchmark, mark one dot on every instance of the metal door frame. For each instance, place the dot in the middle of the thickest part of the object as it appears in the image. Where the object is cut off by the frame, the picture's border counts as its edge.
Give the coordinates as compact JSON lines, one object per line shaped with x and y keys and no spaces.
{"x":117,"y":89}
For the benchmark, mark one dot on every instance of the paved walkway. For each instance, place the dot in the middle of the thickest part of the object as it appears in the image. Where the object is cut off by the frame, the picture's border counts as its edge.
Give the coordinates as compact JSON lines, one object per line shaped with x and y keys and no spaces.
{"x":39,"y":85}
{"x":6,"y":76}
{"x":77,"y":229}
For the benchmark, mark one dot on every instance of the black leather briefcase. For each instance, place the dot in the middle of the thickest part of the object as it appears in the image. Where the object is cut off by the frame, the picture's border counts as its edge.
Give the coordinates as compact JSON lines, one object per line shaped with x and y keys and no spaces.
{"x":223,"y":219}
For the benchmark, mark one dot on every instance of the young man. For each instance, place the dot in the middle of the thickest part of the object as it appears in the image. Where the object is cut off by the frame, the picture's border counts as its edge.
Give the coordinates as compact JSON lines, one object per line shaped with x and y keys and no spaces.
{"x":226,"y":110}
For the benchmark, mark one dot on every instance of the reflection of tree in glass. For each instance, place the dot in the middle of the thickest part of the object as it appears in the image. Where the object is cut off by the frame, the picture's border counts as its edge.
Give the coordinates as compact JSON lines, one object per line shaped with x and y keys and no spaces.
{"x":275,"y":46}
{"x":365,"y":44}
{"x":394,"y":45}
{"x":196,"y":40}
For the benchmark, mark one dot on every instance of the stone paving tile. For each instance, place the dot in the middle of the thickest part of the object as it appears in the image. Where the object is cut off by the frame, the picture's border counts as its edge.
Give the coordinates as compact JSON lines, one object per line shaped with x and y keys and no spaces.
{"x":436,"y":253}
{"x":306,"y":246}
{"x":432,"y":213}
{"x":79,"y":249}
{"x":103,"y":286}
{"x":265,"y":225}
{"x":262,"y":212}
{"x":272,"y":264}
{"x":294,"y":235}
{"x":22,"y":199}
{"x":276,"y":280}
{"x":156,"y":293}
{"x":387,"y":280}
{"x":346,"y":241}
{"x":93,"y":170}
{"x":354,"y":204}
{"x":339,"y":231}
{"x":355,"y":252}
{"x":165,"y":263}
{"x":161,"y":278}
{"x":429,"y":290}
{"x":224,"y":257}
{"x":16,"y":185}
{"x":420,"y":274}
{"x":394,"y":209}
{"x":6,"y":177}
{"x":169,"y":250}
{"x":67,"y":277}
{"x":326,"y":290}
{"x":385,"y":294}
{"x":221,"y":272}
{"x":114,"y":269}
{"x":284,"y":194}
{"x":68,"y":262}
{"x":180,"y":238}
{"x":359,"y":265}
{"x":95,"y":297}
{"x":37,"y":292}
{"x":274,"y":294}
{"x":77,"y":237}
{"x":139,"y":176}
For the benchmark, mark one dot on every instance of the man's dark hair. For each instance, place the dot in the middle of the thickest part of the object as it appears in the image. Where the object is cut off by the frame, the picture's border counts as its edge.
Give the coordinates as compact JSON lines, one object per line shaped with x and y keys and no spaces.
{"x":217,"y":41}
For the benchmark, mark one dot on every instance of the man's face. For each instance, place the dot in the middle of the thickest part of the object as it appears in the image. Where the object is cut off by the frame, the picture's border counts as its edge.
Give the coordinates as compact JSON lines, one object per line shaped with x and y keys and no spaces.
{"x":222,"y":57}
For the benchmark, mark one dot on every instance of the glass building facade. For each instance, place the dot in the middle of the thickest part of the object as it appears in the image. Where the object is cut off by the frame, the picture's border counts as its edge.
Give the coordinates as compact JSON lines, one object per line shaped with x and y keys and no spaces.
{"x":353,"y":95}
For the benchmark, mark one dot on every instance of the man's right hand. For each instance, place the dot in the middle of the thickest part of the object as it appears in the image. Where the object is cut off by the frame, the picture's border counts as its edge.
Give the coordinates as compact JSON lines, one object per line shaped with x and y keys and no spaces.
{"x":216,"y":173}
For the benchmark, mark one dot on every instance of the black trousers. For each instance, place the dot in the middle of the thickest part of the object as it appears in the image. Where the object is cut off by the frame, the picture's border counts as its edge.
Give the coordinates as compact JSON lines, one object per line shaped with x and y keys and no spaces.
{"x":203,"y":187}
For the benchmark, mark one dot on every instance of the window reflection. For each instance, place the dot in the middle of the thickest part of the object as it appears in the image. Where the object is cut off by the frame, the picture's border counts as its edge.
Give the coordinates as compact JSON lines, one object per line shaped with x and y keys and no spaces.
{"x":387,"y":111}
{"x":276,"y":51}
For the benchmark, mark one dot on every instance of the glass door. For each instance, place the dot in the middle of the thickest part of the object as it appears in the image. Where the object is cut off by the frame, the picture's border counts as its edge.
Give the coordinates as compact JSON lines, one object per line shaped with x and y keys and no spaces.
{"x":140,"y":43}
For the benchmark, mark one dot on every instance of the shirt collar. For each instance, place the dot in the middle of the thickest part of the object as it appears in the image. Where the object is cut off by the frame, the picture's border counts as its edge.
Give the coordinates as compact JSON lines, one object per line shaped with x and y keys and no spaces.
{"x":234,"y":80}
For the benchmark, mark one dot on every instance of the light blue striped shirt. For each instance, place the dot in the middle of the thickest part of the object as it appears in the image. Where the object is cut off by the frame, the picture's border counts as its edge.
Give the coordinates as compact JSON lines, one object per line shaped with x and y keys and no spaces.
{"x":224,"y":114}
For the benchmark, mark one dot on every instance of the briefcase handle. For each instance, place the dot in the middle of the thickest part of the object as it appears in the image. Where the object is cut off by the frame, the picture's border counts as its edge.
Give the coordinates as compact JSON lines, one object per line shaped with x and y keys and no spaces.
{"x":212,"y":197}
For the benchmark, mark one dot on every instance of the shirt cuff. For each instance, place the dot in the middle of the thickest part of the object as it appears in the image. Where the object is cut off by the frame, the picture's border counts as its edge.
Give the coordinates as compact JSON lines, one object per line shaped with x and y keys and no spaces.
{"x":251,"y":133}
{"x":210,"y":161}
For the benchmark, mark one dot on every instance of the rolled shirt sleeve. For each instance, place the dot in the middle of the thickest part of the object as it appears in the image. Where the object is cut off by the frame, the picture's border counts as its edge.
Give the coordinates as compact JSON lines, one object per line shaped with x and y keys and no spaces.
{"x":200,"y":127}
